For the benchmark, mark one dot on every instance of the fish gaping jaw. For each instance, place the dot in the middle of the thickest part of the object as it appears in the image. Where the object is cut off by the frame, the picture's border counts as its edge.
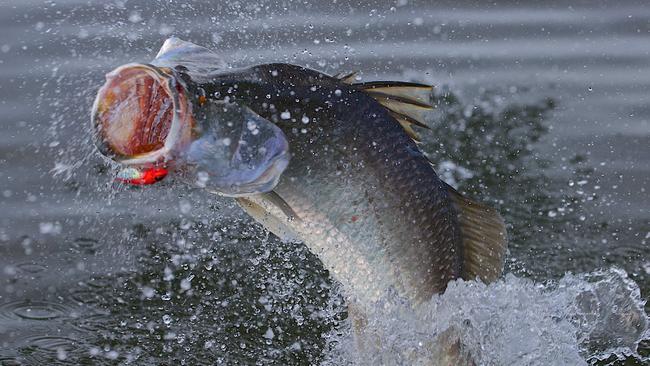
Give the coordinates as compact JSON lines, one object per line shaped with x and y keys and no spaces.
{"x":141,"y":115}
{"x":144,"y":119}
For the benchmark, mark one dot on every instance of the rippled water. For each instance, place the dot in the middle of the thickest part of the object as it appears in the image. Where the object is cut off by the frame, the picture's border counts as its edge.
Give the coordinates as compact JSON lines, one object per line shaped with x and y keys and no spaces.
{"x":542,"y":112}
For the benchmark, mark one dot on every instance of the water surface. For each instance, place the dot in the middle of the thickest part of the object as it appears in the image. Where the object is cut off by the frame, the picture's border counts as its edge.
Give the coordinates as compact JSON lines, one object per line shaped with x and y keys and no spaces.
{"x":543,"y":111}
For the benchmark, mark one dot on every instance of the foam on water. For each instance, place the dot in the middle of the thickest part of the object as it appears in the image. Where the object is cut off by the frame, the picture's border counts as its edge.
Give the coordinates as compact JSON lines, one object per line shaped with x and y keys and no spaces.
{"x":514,"y":321}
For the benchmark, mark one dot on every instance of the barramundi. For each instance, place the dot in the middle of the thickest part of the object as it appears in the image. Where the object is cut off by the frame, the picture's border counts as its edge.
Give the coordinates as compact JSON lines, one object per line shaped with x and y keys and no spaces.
{"x":324,"y":160}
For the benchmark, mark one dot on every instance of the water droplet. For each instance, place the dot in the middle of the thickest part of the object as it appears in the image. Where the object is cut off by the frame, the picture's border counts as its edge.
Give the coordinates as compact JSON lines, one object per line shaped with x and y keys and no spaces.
{"x":135,"y":17}
{"x":112,"y":355}
{"x":185,"y":207}
{"x":148,"y":292}
{"x":166,"y":30}
{"x":52,"y":228}
{"x":61,"y":354}
{"x":186,"y":283}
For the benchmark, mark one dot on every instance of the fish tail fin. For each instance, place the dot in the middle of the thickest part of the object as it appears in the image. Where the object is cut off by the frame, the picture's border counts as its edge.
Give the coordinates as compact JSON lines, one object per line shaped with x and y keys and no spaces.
{"x":483,"y":236}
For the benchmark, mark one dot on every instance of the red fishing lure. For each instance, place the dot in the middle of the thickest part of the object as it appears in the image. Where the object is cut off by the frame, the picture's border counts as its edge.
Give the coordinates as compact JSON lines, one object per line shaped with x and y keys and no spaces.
{"x":141,"y":177}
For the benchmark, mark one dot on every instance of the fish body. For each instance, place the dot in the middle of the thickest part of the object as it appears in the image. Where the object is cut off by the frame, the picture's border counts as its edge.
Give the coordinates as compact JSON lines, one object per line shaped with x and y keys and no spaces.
{"x":366,"y":199}
{"x":322,"y":160}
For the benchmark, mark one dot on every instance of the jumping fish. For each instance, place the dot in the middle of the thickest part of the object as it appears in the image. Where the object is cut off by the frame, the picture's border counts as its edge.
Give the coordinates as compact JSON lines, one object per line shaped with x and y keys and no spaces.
{"x":320,"y":159}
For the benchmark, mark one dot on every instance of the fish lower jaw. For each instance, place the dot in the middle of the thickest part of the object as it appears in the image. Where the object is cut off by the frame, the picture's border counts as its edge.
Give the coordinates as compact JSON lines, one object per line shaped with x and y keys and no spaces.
{"x":158,"y":156}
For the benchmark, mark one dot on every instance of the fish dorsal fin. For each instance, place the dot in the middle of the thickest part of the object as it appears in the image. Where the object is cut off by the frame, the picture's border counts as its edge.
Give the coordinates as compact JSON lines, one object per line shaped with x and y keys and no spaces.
{"x":415,"y":92}
{"x":347,"y":78}
{"x":408,"y":102}
{"x":483,"y":235}
{"x":407,"y":126}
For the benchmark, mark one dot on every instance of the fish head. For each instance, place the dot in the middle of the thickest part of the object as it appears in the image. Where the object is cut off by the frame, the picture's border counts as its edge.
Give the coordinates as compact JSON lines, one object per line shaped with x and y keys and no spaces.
{"x":145,"y":119}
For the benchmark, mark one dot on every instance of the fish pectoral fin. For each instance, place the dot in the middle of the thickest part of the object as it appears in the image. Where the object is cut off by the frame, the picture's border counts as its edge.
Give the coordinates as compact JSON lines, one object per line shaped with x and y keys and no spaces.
{"x":274,"y":199}
{"x":408,"y":102}
{"x":483,"y":236}
{"x":272,"y":223}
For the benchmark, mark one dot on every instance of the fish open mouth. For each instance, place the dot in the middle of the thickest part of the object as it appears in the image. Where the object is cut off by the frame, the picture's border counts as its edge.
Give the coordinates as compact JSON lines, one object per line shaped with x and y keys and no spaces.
{"x":143,"y":119}
{"x":141,"y":114}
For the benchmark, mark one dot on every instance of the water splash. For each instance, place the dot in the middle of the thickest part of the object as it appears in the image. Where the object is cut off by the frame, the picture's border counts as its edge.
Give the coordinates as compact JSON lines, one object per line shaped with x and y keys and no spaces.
{"x":577,"y":320}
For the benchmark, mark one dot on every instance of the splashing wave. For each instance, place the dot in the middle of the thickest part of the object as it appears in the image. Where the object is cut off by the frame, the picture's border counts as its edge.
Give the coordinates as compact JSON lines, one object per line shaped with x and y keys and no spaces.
{"x":515,"y":321}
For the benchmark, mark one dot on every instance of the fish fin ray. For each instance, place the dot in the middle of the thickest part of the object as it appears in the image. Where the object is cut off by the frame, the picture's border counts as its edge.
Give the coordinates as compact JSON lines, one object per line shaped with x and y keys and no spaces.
{"x":413,"y":111}
{"x":407,"y":126}
{"x":407,"y":102}
{"x":413,"y":92}
{"x":347,"y":78}
{"x":273,"y":198}
{"x":483,"y":235}
{"x":267,"y":219}
{"x":409,"y":120}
